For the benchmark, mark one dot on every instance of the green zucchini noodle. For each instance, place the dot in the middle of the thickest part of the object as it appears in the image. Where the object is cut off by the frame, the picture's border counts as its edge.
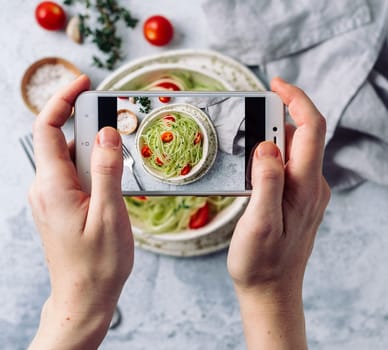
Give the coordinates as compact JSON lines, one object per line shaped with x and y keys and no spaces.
{"x":170,"y":214}
{"x":169,"y":158}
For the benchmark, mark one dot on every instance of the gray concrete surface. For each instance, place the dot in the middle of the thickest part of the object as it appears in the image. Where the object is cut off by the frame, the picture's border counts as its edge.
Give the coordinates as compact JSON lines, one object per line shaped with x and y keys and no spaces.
{"x":171,"y":303}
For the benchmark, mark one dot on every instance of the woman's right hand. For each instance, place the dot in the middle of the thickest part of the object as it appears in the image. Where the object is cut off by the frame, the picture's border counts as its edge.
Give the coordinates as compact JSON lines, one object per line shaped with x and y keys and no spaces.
{"x":274,"y":238}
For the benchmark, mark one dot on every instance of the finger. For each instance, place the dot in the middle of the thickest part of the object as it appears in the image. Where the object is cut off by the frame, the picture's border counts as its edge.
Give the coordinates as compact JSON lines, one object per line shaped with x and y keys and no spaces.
{"x":71,"y":148}
{"x":265,"y":205}
{"x":306,"y":151}
{"x":106,"y":169}
{"x":50,"y":148}
{"x":290,"y":130}
{"x":59,"y":107}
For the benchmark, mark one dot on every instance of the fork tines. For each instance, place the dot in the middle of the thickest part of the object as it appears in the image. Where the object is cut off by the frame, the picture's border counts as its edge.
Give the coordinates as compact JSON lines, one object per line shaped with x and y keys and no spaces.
{"x":26,"y":143}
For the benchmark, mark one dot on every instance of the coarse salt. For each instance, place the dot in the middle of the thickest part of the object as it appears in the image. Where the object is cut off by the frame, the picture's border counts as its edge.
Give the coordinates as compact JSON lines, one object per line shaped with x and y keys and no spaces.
{"x":126,"y":121}
{"x":46,"y":81}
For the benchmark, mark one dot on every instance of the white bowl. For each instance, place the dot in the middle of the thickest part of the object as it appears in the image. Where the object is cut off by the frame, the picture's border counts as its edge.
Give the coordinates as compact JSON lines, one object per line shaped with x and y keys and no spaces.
{"x":209,"y":142}
{"x":148,"y":74}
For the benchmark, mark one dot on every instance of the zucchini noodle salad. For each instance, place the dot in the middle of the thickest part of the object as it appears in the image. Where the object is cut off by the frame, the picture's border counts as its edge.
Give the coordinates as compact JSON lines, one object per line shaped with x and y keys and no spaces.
{"x":172,"y":144}
{"x":171,"y":214}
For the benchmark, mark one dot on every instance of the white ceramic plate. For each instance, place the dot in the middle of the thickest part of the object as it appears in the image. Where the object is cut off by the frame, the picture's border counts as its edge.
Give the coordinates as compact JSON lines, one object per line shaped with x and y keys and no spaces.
{"x":235,"y":77}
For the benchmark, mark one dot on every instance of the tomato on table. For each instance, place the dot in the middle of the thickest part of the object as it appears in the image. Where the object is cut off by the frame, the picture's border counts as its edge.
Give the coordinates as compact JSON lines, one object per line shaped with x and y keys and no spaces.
{"x":146,"y":151}
{"x":158,"y":30}
{"x":200,"y":217}
{"x":50,"y":15}
{"x":167,"y":136}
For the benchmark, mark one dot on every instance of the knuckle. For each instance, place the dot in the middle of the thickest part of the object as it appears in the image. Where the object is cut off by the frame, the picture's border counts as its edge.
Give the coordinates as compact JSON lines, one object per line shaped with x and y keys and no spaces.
{"x":270,"y":175}
{"x":326,"y":192}
{"x":107,"y":162}
{"x":259,"y":229}
{"x":111,"y":168}
{"x":320,"y":123}
{"x":319,"y":196}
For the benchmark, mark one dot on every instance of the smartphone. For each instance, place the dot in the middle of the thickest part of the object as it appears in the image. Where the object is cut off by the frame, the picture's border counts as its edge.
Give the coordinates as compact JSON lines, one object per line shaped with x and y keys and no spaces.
{"x":180,"y":143}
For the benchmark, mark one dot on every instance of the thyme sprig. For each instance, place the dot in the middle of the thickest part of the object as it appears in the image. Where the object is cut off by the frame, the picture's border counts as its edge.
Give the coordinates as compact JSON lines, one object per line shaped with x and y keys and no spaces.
{"x":145,"y":103}
{"x":104,"y":34}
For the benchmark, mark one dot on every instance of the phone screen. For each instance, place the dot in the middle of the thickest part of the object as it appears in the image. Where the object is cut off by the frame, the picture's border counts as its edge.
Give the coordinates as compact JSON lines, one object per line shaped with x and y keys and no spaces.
{"x":187,"y":144}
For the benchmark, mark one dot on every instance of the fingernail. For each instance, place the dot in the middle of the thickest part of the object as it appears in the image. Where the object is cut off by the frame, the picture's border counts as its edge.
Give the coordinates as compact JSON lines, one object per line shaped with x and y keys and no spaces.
{"x":267,"y":149}
{"x":108,"y":137}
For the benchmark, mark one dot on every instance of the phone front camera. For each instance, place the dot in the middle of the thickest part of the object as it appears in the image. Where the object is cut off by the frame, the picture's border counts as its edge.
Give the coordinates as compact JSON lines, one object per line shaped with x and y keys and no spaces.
{"x":275,"y":128}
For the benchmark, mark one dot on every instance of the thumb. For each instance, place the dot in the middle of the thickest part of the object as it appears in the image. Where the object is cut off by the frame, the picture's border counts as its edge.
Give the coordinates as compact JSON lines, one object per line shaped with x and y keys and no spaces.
{"x":268,"y":184}
{"x":106,"y":166}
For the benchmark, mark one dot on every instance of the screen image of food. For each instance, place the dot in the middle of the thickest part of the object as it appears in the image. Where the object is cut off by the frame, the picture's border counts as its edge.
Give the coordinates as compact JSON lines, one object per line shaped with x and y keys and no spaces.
{"x":191,"y":144}
{"x":160,"y":215}
{"x":172,"y":144}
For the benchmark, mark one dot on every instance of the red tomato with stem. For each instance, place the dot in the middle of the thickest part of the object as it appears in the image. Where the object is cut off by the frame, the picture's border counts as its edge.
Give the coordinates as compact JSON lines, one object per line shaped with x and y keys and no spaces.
{"x":158,"y":30}
{"x":200,"y":217}
{"x":50,"y":15}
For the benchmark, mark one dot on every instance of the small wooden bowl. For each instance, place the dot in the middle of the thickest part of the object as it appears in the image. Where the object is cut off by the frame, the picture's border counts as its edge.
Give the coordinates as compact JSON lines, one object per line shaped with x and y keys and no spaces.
{"x":31,"y":71}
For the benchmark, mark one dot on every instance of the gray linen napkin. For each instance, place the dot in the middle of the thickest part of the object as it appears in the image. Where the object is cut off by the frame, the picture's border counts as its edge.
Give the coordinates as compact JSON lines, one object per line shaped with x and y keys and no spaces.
{"x":227,"y":115}
{"x":330,"y":49}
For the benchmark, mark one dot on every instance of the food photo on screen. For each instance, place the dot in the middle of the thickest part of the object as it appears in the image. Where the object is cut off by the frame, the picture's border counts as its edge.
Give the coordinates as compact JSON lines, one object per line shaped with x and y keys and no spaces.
{"x":189,"y":144}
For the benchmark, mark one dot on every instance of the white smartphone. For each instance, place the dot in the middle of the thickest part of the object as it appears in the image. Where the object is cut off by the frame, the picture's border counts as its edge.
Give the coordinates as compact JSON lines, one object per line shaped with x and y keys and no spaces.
{"x":180,"y":143}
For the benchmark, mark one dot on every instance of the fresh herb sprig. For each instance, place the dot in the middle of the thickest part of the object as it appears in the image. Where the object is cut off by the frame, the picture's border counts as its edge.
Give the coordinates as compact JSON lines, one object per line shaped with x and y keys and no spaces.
{"x":104,"y":34}
{"x":145,"y":103}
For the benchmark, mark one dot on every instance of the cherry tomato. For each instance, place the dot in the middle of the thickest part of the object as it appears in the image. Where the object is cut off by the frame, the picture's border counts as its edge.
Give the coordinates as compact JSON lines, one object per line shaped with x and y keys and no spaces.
{"x":164,"y":99}
{"x":167,"y":136}
{"x":186,"y":169}
{"x":50,"y":15}
{"x":158,"y":161}
{"x":140,"y":198}
{"x":146,"y":151}
{"x":198,"y":138}
{"x":158,"y":30}
{"x":169,"y":86}
{"x":169,"y":118}
{"x":200,"y":217}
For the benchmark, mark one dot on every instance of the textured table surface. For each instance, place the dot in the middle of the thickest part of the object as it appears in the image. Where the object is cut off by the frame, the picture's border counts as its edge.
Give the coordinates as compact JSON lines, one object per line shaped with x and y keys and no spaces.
{"x":171,"y":303}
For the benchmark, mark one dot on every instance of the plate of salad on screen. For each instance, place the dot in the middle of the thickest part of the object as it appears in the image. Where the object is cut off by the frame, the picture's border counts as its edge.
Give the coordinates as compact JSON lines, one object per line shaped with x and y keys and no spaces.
{"x":183,"y":225}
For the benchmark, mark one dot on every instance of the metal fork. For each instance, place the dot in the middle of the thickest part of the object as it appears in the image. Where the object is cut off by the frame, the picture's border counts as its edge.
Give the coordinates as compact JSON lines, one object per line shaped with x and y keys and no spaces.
{"x":130,"y":162}
{"x":27,"y":145}
{"x":26,"y":142}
